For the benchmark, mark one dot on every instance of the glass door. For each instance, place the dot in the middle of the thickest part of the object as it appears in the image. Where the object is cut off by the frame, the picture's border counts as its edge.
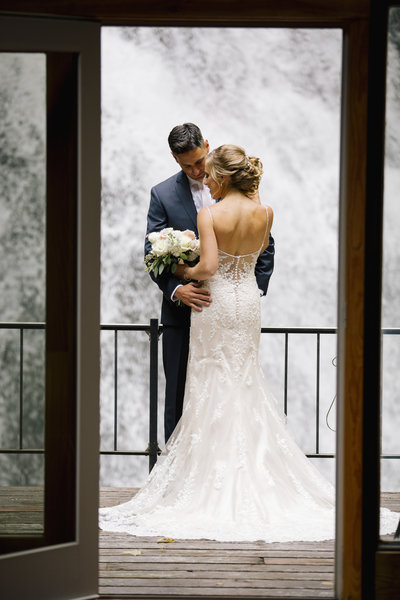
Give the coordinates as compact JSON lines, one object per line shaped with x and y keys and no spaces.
{"x":390,"y":446}
{"x":23,"y":302}
{"x":49,"y":330}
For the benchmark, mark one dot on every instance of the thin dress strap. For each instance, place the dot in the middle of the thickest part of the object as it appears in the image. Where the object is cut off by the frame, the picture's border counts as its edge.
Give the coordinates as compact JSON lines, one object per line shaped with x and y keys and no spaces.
{"x":211,"y":217}
{"x":266,"y":230}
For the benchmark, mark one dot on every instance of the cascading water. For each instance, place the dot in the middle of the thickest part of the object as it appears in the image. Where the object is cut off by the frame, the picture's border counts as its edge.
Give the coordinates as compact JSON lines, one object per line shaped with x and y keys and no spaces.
{"x":276,"y":92}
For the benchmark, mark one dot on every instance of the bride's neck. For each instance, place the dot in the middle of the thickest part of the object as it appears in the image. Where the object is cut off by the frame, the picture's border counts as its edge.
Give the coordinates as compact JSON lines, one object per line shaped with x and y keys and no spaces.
{"x":233,"y":195}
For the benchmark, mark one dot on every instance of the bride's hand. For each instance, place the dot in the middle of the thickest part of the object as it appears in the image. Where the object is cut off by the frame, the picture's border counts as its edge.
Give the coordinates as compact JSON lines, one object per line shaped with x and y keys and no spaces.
{"x":193,"y":295}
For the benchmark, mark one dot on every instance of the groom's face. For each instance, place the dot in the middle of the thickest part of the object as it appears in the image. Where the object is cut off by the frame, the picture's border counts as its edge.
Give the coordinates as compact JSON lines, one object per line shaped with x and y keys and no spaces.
{"x":193,"y":162}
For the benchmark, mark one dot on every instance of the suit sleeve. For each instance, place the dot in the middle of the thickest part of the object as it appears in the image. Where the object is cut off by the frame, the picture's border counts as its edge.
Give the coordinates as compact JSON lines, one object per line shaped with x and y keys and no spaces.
{"x":156,"y":221}
{"x":265,"y":266}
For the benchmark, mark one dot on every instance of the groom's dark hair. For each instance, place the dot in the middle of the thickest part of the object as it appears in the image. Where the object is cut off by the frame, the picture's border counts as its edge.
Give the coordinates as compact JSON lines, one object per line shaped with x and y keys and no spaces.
{"x":184,"y":138}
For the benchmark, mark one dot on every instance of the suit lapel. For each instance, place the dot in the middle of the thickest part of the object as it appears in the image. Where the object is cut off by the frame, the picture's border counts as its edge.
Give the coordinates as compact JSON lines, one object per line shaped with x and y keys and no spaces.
{"x":185,"y":196}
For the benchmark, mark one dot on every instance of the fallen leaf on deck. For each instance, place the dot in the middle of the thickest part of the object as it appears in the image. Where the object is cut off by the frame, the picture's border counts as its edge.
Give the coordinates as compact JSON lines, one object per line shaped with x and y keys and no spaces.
{"x":132,"y":552}
{"x":165,"y":540}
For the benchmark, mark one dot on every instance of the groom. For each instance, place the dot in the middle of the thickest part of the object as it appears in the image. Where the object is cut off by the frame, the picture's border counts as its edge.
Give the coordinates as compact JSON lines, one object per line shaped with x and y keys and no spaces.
{"x":175,"y":203}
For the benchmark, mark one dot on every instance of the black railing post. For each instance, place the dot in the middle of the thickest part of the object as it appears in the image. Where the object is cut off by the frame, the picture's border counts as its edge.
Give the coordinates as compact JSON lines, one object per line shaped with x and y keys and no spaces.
{"x":115,"y":390}
{"x":21,"y":388}
{"x":286,"y":372}
{"x":317,"y":393}
{"x":153,"y":425}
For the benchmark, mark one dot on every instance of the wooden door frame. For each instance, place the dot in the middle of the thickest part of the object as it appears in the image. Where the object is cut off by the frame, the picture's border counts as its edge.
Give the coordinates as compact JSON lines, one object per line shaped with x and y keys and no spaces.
{"x":357,"y":546}
{"x":63,"y":562}
{"x":380,"y":560}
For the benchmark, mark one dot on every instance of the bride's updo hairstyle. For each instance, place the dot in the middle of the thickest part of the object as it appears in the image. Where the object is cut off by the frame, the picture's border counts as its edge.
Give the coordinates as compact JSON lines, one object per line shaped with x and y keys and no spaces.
{"x":231,"y":161}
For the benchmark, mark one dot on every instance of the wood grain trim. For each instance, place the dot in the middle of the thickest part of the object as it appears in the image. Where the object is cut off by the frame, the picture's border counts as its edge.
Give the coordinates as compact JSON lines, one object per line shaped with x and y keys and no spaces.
{"x":207,"y":12}
{"x":351,"y":311}
{"x":387,"y":582}
{"x":381,"y":560}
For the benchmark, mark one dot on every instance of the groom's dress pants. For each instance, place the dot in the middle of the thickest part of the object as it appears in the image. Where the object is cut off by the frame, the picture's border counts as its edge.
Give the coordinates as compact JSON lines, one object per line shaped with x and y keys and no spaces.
{"x":175,"y":342}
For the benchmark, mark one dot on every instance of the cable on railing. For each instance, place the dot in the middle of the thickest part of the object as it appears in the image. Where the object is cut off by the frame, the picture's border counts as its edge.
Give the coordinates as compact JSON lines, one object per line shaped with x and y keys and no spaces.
{"x":332,"y":403}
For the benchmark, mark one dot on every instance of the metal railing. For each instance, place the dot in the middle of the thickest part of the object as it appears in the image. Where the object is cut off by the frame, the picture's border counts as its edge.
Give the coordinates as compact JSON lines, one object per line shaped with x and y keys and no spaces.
{"x":154,"y":330}
{"x":21,"y":327}
{"x":317,"y":332}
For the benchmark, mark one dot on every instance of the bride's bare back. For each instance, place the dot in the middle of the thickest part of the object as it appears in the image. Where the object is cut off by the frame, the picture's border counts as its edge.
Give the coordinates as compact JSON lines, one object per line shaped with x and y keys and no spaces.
{"x":237,"y":225}
{"x":241,"y":224}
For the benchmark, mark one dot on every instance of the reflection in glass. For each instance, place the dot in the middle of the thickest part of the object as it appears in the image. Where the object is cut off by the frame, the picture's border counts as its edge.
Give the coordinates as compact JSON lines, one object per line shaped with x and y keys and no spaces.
{"x":390,"y":466}
{"x":22,"y":297}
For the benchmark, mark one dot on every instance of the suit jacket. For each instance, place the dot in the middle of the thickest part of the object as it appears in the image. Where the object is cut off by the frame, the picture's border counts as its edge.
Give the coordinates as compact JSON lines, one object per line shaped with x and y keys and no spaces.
{"x":171,"y":205}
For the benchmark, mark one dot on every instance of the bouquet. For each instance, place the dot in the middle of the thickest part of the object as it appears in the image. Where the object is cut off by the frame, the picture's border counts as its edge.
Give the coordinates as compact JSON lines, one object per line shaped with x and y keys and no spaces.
{"x":170,"y":247}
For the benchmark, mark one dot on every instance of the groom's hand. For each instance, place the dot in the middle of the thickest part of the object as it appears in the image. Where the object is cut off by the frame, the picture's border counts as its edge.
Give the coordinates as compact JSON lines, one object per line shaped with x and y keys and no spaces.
{"x":193,"y":295}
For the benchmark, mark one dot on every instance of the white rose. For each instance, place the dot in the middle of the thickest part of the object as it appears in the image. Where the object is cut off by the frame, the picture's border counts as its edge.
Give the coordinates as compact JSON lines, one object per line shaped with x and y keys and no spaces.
{"x":195,"y":245}
{"x":160,"y":247}
{"x":186,"y":244}
{"x":175,"y":248}
{"x":187,"y":239}
{"x":164,"y":232}
{"x":189,"y":233}
{"x":153,"y":237}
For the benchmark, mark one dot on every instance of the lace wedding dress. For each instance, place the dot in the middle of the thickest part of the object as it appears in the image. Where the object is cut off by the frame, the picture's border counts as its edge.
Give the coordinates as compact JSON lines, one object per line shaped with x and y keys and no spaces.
{"x":231,"y":471}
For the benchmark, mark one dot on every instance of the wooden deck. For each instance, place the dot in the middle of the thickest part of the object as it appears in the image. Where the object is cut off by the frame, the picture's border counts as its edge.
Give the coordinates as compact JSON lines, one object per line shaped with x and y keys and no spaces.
{"x":152,"y":568}
{"x":149,"y":567}
{"x":21,"y":510}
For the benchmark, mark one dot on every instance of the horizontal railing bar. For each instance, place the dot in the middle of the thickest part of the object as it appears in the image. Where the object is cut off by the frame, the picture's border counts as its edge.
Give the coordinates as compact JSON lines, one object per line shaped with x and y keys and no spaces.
{"x":146,"y":327}
{"x":146,"y":453}
{"x":20,"y":325}
{"x":322,"y":455}
{"x":125,"y":452}
{"x":390,"y":455}
{"x":41,"y":451}
{"x":298,"y":330}
{"x":22,"y":451}
{"x":125,"y":327}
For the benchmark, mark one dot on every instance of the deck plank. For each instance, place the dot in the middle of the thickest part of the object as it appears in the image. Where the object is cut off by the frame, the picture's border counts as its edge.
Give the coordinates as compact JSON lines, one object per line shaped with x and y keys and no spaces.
{"x":205,"y":568}
{"x":21,"y":510}
{"x":146,"y":567}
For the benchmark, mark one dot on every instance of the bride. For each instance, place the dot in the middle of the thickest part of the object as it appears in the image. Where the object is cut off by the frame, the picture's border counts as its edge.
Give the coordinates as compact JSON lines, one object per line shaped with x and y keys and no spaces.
{"x":231,"y":470}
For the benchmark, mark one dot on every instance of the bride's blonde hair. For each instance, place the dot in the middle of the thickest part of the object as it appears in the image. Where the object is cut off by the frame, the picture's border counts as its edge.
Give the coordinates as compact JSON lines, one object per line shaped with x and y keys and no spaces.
{"x":231,"y":161}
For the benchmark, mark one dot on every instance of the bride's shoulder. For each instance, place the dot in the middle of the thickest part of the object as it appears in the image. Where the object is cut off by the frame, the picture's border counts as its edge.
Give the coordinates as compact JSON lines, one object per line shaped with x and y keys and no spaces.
{"x":264,"y":208}
{"x":205,"y":215}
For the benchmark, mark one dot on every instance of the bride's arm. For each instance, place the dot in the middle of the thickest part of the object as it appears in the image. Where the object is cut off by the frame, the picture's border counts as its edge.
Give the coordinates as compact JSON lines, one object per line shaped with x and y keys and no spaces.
{"x":208,"y":263}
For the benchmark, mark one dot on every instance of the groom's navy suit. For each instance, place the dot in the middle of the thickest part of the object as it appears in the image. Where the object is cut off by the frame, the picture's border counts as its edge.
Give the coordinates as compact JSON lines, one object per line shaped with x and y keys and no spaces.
{"x":171,"y":205}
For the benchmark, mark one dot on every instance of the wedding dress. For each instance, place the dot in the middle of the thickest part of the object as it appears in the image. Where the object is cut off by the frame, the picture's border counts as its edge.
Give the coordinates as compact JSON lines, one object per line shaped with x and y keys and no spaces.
{"x":231,"y":470}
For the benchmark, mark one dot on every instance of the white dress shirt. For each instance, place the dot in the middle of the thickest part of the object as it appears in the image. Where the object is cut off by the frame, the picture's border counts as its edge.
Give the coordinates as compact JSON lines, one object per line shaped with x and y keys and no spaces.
{"x":201,"y":194}
{"x":201,"y":197}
